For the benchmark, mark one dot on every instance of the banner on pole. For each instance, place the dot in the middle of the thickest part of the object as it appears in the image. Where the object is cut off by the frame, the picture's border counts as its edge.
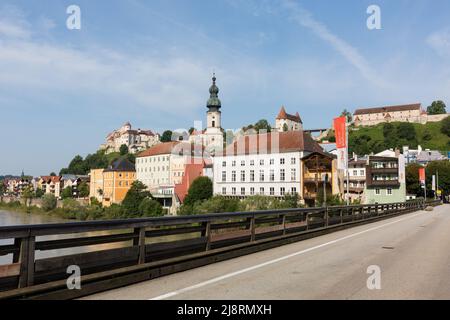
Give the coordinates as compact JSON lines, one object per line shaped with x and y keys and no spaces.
{"x":422,"y":175}
{"x":340,"y":132}
{"x":433,"y":183}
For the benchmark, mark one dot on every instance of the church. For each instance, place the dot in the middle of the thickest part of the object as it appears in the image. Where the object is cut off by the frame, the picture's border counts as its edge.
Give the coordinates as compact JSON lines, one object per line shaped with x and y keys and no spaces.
{"x":211,"y":137}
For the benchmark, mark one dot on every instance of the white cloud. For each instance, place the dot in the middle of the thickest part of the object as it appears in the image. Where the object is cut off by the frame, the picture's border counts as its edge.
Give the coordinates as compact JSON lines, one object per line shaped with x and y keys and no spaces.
{"x":440,"y":42}
{"x":351,"y":54}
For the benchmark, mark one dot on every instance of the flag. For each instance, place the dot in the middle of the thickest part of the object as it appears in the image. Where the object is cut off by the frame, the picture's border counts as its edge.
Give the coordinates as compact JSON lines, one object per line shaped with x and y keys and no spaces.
{"x":422,"y":175}
{"x":340,"y":132}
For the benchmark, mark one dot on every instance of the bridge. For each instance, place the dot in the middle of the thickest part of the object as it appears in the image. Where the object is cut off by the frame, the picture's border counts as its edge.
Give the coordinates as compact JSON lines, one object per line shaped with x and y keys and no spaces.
{"x":283,"y":254}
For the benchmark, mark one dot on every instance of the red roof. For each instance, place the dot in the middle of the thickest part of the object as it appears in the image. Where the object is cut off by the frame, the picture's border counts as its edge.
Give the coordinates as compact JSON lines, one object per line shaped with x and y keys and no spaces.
{"x":191,"y":172}
{"x":283,"y":115}
{"x":406,"y":107}
{"x":169,"y":148}
{"x":274,"y":142}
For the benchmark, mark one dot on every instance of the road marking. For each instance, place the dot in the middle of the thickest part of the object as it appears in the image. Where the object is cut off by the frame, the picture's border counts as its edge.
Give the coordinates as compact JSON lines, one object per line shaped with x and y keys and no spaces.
{"x":264,"y":264}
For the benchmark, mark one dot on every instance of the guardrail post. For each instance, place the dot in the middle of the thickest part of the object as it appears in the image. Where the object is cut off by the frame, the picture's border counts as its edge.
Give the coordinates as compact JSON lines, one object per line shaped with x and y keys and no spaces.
{"x":141,"y":244}
{"x":27,"y":255}
{"x":326,"y":217}
{"x":307,"y":221}
{"x":17,"y":245}
{"x":284,"y":224}
{"x":208,"y":235}
{"x":252,"y":229}
{"x":341,"y":213}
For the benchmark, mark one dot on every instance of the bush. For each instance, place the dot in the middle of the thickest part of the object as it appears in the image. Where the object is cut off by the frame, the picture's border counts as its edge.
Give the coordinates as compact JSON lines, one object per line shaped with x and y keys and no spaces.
{"x":137,"y":193}
{"x":445,"y":129}
{"x":49,"y":202}
{"x":115,"y":211}
{"x":201,"y":189}
{"x":150,"y":208}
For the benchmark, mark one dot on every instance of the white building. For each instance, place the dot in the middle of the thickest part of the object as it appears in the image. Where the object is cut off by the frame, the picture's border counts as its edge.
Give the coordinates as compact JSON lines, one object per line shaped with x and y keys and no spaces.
{"x":263,"y":164}
{"x":288,"y":122}
{"x":135,"y":140}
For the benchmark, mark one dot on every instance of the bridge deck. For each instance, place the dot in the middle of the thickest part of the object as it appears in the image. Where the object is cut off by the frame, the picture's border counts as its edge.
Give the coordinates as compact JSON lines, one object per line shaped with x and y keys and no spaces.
{"x":411,"y":250}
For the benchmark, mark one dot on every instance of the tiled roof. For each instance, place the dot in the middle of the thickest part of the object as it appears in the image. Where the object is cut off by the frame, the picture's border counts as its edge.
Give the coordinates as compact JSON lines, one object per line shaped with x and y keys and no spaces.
{"x":406,"y":107}
{"x":169,"y":148}
{"x":122,"y":165}
{"x":283,"y":115}
{"x":290,"y":141}
{"x":191,"y":172}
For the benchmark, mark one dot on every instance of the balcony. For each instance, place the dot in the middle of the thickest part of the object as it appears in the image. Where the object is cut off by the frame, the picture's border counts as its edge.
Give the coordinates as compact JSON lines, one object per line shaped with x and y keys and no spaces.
{"x":384,"y":170}
{"x":383,"y":183}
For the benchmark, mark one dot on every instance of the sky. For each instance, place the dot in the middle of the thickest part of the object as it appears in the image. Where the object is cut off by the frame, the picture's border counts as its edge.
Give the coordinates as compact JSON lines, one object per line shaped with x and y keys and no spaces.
{"x":151,"y":62}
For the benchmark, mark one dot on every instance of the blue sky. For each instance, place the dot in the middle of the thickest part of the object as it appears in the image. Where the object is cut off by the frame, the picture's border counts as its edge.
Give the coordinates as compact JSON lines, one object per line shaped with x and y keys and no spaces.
{"x":150,"y":62}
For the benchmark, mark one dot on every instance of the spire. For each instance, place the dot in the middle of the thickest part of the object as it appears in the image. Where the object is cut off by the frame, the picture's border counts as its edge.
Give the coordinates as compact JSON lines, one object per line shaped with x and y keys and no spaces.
{"x":214,"y":101}
{"x":282,"y":114}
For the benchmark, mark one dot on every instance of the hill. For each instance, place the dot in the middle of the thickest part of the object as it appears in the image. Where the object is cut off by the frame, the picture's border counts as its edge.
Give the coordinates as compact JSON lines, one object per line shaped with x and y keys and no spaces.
{"x":364,"y":140}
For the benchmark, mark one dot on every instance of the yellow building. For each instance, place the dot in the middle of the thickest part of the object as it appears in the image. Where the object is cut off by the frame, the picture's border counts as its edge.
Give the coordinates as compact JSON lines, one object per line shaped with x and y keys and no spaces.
{"x":117,"y":180}
{"x":96,"y":184}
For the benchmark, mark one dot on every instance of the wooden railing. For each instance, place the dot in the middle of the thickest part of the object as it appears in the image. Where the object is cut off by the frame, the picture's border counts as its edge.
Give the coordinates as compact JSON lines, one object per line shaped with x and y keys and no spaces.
{"x":39,"y":254}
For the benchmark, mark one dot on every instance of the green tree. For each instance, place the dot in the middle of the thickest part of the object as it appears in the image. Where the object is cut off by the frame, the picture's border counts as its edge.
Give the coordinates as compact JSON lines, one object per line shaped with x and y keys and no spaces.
{"x":285,"y":127}
{"x":49,"y":202}
{"x":67,"y":193}
{"x":2,"y":188}
{"x":443,"y":169}
{"x":347,"y":114}
{"x":412,"y":179}
{"x":123,"y":149}
{"x":437,"y":107}
{"x":39,"y":193}
{"x":28,"y":194}
{"x":137,"y":193}
{"x":52,"y":174}
{"x":166,"y":136}
{"x":262,"y":124}
{"x":150,"y":208}
{"x":83,"y":190}
{"x":445,"y":128}
{"x":200,"y":189}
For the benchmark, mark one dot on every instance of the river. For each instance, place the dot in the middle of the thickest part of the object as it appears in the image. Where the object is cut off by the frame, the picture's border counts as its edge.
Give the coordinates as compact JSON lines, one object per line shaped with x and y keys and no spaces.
{"x":10,"y":218}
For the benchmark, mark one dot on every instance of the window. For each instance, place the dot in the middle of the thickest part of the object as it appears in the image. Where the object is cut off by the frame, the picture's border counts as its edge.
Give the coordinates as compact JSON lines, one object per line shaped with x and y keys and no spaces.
{"x":224,"y":176}
{"x":282,"y":191}
{"x":252,"y":162}
{"x":389,"y":191}
{"x":361,"y":173}
{"x":224,"y":164}
{"x":293,"y":190}
{"x":272,"y":175}
{"x":261,"y":175}
{"x":355,"y":172}
{"x":233,"y":163}
{"x":293,"y":174}
{"x":252,"y":191}
{"x":282,"y":175}
{"x":261,"y":162}
{"x":282,"y":161}
{"x":233,"y":191}
{"x":272,"y":191}
{"x":272,"y":161}
{"x":242,"y":191}
{"x":252,"y":175}
{"x":293,"y":160}
{"x":243,"y":163}
{"x":377,"y":192}
{"x":233,"y":176}
{"x":261,"y":191}
{"x":242,"y":176}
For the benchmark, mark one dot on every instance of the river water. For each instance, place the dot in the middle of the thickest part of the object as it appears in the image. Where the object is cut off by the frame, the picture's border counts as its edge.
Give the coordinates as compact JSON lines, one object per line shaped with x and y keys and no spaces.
{"x":9,"y":218}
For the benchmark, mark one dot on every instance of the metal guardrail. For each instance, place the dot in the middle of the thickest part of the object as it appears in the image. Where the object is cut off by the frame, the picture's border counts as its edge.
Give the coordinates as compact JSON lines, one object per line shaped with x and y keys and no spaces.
{"x":154,"y":242}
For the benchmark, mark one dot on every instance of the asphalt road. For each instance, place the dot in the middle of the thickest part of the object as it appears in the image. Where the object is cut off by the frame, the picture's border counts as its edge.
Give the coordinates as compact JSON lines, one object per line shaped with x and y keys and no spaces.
{"x":411,"y":251}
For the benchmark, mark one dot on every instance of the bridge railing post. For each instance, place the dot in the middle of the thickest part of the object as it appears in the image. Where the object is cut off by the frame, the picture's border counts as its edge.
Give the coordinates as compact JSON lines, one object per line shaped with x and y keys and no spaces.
{"x":252,"y":229}
{"x":208,"y":235}
{"x":327,"y":217}
{"x":26,"y":259}
{"x":284,"y":224}
{"x":139,"y":241}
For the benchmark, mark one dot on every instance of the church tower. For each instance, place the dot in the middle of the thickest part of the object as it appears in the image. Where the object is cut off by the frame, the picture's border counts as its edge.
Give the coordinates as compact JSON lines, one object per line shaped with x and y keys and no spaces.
{"x":213,"y":134}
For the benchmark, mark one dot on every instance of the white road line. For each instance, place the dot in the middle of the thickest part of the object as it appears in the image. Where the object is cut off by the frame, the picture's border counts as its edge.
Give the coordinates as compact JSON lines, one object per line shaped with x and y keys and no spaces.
{"x":258,"y":266}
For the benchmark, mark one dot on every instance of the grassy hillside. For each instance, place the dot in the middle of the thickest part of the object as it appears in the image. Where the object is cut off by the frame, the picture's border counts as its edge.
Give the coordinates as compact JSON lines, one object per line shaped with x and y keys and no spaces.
{"x":375,"y":139}
{"x":365,"y":140}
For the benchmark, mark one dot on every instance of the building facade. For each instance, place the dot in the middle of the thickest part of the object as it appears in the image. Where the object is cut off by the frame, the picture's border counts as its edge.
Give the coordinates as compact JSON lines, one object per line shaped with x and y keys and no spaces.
{"x":135,"y":140}
{"x":288,"y":122}
{"x":117,"y":180}
{"x":401,"y":113}
{"x":271,"y":164}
